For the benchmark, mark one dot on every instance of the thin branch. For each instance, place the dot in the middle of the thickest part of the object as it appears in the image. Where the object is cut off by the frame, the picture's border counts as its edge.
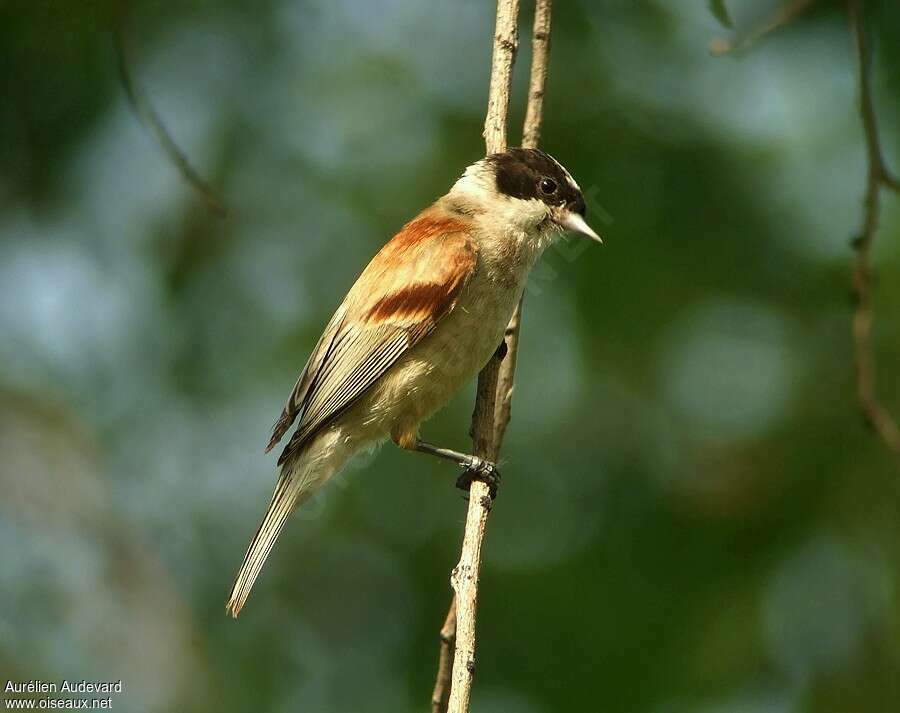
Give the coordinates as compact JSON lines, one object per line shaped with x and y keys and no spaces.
{"x":495,"y":383}
{"x":441,"y":694}
{"x":878,"y":176}
{"x":540,"y":48}
{"x":531,"y":137}
{"x":506,"y":45}
{"x":742,"y":42}
{"x":506,"y":378}
{"x":148,"y":117}
{"x":464,"y":578}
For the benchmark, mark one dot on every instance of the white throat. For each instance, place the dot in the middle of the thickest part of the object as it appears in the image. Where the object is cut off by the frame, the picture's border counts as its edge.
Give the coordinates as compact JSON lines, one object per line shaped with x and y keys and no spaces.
{"x":478,"y":187}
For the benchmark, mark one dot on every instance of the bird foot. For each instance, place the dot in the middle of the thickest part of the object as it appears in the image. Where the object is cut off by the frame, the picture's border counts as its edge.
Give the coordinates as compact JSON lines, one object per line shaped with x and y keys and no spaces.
{"x":483,"y":470}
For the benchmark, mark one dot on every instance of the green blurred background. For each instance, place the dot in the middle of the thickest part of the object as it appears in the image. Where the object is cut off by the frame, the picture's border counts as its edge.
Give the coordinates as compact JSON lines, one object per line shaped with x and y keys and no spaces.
{"x":693,"y":517}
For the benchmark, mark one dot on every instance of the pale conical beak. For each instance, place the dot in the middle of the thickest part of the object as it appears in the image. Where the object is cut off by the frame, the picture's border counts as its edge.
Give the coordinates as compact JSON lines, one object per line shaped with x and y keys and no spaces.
{"x":575,"y":223}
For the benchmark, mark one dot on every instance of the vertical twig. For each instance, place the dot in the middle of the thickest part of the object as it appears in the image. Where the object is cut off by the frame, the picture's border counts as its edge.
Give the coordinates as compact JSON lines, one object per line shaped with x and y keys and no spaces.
{"x":454,"y":678}
{"x":506,"y":44}
{"x":878,"y":176}
{"x":495,"y":383}
{"x":531,"y":137}
{"x":540,"y":48}
{"x":441,"y":694}
{"x":464,"y":578}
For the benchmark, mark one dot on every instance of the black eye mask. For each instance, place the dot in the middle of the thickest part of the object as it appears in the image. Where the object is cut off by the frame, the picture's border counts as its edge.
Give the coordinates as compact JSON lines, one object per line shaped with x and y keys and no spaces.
{"x":532,"y":174}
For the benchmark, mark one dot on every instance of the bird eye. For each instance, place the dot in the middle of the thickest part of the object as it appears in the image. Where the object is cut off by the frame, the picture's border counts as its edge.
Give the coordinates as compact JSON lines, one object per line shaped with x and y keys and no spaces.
{"x":548,"y":186}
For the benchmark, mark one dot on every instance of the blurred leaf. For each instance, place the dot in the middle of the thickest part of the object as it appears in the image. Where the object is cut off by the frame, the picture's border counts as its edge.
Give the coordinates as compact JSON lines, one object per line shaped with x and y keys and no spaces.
{"x":720,"y":12}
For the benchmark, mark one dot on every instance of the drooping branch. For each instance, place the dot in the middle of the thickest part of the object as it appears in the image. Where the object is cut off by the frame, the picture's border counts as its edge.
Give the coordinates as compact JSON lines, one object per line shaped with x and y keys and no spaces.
{"x":151,"y":120}
{"x":495,"y":383}
{"x":743,"y":41}
{"x":878,"y":176}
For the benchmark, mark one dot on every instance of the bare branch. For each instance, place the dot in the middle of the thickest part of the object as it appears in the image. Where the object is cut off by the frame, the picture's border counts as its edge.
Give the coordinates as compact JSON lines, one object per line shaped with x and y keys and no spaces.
{"x":878,"y":176}
{"x":148,"y":117}
{"x":540,"y":48}
{"x":506,"y":378}
{"x":745,"y":40}
{"x":495,"y":383}
{"x":441,"y":694}
{"x":531,"y":136}
{"x":464,"y":578}
{"x":506,"y":45}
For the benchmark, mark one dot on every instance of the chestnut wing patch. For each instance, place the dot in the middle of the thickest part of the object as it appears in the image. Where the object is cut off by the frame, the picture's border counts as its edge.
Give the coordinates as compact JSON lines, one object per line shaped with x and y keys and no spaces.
{"x":413,"y":282}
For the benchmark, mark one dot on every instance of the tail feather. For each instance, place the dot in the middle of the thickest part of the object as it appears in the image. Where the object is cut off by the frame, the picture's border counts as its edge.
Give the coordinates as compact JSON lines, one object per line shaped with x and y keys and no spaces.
{"x":300,"y":477}
{"x":284,"y":500}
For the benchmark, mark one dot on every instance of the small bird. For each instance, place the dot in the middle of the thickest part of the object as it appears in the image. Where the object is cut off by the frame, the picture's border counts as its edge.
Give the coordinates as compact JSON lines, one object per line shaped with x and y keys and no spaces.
{"x":422,"y":319}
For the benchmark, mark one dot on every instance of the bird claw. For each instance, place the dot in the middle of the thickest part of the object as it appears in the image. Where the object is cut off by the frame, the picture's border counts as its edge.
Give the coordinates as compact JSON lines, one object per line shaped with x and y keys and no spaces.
{"x":481,"y":470}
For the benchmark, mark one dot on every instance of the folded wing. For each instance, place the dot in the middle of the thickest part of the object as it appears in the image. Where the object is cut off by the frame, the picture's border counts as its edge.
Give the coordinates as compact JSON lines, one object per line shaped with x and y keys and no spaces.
{"x":404,"y":292}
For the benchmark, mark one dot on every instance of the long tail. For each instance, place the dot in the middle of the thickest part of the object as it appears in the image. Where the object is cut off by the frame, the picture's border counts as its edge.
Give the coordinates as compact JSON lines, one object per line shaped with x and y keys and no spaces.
{"x":298,"y":480}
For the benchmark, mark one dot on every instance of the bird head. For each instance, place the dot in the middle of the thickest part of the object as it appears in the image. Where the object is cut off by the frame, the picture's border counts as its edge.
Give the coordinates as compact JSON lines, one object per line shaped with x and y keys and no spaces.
{"x":528,"y":188}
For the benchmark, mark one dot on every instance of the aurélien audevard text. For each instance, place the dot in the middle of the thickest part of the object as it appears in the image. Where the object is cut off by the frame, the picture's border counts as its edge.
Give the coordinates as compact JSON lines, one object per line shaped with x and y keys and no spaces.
{"x":65,"y":686}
